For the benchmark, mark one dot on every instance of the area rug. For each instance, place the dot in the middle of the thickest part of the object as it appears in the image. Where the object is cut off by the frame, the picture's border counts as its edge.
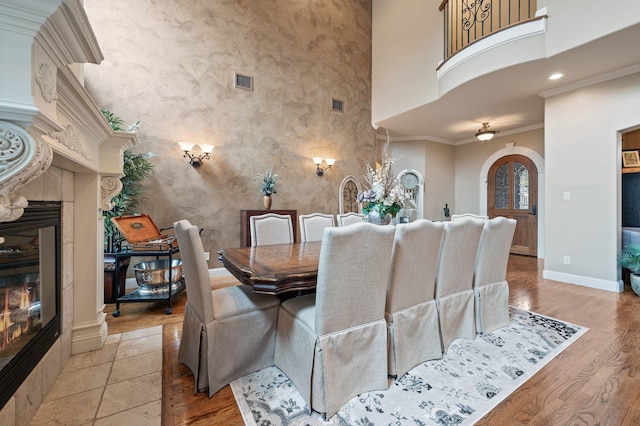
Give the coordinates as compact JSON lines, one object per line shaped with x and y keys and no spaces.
{"x":472,"y":378}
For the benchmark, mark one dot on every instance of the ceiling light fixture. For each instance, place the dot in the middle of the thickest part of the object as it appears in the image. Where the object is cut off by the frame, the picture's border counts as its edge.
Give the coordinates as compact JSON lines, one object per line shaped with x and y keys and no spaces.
{"x":484,"y":134}
{"x":556,"y":76}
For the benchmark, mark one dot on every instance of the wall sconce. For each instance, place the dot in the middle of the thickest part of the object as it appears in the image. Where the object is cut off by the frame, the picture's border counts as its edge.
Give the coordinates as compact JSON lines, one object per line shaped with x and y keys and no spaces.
{"x":484,"y":134}
{"x":196,"y":161}
{"x":320,"y":170}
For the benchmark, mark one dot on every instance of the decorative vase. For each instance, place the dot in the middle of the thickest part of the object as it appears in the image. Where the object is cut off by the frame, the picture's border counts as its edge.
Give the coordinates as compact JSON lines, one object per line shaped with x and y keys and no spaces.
{"x":635,"y":283}
{"x":374,"y":216}
{"x":266,"y":200}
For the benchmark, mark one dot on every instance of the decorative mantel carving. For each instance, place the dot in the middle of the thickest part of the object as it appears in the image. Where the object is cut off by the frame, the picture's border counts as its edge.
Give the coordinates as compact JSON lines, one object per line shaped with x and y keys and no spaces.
{"x":68,"y":138}
{"x":22,"y":159}
{"x":46,"y":80}
{"x":110,"y":186}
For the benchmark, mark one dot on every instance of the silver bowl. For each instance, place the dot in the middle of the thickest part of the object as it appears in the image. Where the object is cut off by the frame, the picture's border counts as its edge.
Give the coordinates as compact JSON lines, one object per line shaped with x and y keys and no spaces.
{"x":156,"y":275}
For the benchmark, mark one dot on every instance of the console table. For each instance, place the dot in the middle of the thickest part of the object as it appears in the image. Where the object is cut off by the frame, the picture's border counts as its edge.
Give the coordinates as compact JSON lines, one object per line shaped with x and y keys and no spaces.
{"x":245,"y":227}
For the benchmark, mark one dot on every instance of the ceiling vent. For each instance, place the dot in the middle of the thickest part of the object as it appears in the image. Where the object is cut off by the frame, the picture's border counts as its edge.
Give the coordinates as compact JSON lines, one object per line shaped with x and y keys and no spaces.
{"x":244,"y":82}
{"x":337,"y":105}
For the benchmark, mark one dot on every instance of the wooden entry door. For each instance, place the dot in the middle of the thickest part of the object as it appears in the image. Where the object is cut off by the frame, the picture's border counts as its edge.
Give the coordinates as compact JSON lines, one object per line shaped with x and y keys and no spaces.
{"x":513,"y":193}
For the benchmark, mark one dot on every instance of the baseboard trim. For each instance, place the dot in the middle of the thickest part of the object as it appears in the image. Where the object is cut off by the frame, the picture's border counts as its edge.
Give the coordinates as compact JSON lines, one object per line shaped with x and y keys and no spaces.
{"x":614,"y":286}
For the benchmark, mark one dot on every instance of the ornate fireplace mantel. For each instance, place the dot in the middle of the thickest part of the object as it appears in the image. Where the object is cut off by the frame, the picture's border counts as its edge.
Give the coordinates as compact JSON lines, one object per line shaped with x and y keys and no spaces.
{"x":46,"y":115}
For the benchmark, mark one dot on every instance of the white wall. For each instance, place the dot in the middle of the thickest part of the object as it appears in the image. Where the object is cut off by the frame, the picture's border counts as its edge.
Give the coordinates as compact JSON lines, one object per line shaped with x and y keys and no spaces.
{"x":582,"y":152}
{"x":407,"y":44}
{"x":435,"y":162}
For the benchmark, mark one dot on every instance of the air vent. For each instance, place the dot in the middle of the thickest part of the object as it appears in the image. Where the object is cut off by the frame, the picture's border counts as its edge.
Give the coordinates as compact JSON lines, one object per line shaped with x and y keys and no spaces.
{"x":337,"y":105}
{"x":244,"y":82}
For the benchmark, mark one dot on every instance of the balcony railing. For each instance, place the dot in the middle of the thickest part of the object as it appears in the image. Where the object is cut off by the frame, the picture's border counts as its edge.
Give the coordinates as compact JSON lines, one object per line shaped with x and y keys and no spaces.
{"x":466,"y":21}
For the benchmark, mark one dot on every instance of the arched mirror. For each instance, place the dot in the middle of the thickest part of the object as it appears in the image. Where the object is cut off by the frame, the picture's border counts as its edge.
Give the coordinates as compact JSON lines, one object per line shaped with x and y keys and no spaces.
{"x":412,"y":182}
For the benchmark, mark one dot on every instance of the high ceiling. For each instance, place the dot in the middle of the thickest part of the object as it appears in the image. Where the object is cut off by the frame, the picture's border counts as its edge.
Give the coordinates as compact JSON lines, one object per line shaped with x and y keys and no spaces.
{"x":511,"y":100}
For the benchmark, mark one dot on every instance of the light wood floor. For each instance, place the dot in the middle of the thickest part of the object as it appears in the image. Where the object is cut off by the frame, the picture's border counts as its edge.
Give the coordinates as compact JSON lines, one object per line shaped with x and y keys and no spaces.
{"x":596,"y":381}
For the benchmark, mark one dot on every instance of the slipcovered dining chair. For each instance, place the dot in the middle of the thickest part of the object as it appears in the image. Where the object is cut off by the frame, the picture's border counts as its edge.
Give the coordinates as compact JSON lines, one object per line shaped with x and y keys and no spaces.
{"x":226,"y":333}
{"x":490,"y":279}
{"x":411,"y":312}
{"x":454,"y":280}
{"x":333,"y":345}
{"x":345,"y":219}
{"x":271,"y":228}
{"x":312,"y":226}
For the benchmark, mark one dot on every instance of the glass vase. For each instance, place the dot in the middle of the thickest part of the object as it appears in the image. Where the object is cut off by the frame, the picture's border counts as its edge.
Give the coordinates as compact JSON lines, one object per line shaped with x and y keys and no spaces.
{"x":375,"y":217}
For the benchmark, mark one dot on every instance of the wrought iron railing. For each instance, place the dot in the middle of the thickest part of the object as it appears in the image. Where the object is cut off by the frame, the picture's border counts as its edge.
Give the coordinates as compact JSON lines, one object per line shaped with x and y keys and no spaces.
{"x":466,"y":21}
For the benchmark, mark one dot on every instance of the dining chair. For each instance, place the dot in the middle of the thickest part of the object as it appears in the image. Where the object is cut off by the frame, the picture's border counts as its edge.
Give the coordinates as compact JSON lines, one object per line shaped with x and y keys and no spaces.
{"x":461,"y":216}
{"x":312,"y":226}
{"x":411,"y":312}
{"x":271,"y":228}
{"x":333,"y":345}
{"x":345,"y":219}
{"x":226,"y":333}
{"x":454,"y":280}
{"x":490,"y":279}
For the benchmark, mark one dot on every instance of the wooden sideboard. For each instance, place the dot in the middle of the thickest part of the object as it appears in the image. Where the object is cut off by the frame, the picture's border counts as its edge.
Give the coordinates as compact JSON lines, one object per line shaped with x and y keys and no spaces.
{"x":245,"y":227}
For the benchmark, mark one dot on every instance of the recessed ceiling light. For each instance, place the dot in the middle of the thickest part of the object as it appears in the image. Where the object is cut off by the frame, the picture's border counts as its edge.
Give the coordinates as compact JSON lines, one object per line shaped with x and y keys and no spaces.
{"x":556,"y":76}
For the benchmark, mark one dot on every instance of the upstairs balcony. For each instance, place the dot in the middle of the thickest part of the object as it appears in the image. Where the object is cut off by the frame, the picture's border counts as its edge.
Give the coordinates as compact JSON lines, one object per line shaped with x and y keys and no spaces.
{"x":467,"y":21}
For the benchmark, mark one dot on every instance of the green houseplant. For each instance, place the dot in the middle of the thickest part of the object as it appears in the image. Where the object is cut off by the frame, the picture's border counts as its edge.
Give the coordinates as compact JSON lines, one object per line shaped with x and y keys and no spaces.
{"x":136,"y":168}
{"x":629,"y":258}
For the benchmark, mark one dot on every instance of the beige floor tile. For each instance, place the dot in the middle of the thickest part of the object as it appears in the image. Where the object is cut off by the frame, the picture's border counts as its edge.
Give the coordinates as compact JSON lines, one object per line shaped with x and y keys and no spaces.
{"x":128,"y":368}
{"x":81,"y":380}
{"x":142,"y":332}
{"x":72,"y":410}
{"x":113,"y":338}
{"x":88,"y":359}
{"x":145,"y":415}
{"x":139,"y":346}
{"x":129,"y":394}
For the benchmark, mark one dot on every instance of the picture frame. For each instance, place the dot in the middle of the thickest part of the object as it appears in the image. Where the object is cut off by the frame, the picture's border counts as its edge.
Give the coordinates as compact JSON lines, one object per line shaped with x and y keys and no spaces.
{"x":630,"y":159}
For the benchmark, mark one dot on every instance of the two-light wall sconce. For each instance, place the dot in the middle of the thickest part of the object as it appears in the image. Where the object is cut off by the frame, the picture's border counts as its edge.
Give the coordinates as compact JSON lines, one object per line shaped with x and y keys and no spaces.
{"x":196,"y":160}
{"x":318,"y":161}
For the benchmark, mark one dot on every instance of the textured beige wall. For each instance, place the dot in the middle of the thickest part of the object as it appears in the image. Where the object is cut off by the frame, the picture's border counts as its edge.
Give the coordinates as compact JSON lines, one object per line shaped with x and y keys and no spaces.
{"x":171,"y":64}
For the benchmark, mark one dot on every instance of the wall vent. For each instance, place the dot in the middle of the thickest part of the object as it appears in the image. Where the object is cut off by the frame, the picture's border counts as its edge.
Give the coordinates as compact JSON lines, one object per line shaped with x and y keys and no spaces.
{"x":337,"y":105}
{"x":244,"y":82}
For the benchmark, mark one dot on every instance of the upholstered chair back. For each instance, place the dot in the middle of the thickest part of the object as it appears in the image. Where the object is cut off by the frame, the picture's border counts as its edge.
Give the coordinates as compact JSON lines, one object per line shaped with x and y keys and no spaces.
{"x":195,"y":269}
{"x":458,"y":256}
{"x":345,"y":219}
{"x":271,"y":228}
{"x":312,"y":226}
{"x":350,"y":289}
{"x":493,"y":251}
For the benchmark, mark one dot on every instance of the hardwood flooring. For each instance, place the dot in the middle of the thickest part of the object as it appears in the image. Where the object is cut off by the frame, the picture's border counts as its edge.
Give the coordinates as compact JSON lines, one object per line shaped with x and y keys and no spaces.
{"x":596,"y":381}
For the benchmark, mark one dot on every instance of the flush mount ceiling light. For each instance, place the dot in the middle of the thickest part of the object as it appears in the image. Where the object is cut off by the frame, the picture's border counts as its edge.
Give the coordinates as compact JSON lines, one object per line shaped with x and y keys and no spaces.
{"x":556,"y":76}
{"x":484,"y":133}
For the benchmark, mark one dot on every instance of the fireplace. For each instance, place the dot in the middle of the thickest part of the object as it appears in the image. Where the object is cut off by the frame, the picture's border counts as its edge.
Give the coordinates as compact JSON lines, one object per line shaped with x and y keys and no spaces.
{"x":30,"y":262}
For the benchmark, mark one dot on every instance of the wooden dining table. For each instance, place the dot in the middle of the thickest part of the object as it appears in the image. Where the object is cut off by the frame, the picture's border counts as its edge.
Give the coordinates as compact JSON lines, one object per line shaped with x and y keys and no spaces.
{"x":274,"y":269}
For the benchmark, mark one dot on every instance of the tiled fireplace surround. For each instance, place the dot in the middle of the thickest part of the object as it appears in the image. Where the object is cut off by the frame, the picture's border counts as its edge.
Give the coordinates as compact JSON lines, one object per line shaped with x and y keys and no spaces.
{"x":62,"y":149}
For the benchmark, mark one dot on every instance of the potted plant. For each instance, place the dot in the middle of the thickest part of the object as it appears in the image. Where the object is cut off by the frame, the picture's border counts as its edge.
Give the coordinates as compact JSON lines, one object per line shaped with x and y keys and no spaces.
{"x":629,"y":258}
{"x":136,"y":168}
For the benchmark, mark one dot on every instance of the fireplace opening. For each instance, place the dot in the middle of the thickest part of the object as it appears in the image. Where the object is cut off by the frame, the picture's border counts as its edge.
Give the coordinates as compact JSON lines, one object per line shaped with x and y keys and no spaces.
{"x":30,"y":264}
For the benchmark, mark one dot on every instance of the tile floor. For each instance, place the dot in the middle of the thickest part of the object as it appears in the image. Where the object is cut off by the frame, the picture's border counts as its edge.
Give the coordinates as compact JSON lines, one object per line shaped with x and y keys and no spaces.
{"x":120,"y":384}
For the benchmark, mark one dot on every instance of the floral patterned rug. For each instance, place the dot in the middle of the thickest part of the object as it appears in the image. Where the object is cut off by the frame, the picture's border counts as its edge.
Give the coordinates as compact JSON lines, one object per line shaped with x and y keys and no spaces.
{"x":472,"y":378}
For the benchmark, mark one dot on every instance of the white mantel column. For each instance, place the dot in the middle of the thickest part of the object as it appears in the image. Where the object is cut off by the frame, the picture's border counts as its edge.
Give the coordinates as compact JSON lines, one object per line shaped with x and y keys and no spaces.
{"x":89,"y":326}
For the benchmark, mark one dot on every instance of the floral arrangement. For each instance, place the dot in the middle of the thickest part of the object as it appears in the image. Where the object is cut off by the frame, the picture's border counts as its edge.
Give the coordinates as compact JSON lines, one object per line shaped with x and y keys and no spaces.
{"x":384,"y":193}
{"x":268,"y":182}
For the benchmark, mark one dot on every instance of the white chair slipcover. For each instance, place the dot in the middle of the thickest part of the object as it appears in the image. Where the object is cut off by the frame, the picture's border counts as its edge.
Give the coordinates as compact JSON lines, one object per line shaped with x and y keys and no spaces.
{"x":226,"y":333}
{"x":333,"y":345}
{"x":411,"y":312}
{"x":454,"y":280}
{"x":490,"y":280}
{"x":271,"y":228}
{"x":312,"y":226}
{"x":345,"y":219}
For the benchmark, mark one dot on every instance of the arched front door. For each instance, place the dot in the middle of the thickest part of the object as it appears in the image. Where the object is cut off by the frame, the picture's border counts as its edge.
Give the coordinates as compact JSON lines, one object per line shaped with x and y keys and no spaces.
{"x":513,"y":193}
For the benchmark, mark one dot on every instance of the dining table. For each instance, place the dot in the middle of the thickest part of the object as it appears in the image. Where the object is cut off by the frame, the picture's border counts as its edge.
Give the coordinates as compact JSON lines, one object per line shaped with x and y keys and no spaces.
{"x":277,"y":269}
